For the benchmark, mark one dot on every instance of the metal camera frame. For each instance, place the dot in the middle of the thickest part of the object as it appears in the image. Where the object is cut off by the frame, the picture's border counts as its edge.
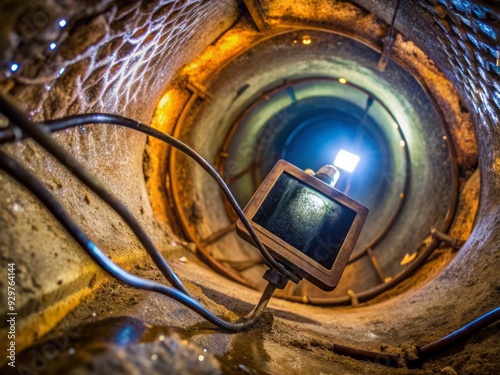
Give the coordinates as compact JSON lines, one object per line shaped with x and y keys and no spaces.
{"x":303,"y":265}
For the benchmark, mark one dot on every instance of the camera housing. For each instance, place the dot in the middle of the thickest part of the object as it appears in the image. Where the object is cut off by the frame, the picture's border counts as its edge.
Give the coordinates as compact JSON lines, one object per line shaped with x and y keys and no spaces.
{"x":305,"y":224}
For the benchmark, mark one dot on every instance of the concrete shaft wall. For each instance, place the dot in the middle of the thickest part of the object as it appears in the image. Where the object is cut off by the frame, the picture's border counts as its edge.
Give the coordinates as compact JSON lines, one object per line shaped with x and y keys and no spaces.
{"x":120,"y":58}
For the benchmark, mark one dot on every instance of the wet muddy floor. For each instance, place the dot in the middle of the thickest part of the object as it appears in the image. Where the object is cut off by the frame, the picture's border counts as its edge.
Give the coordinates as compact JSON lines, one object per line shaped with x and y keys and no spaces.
{"x":121,"y":330}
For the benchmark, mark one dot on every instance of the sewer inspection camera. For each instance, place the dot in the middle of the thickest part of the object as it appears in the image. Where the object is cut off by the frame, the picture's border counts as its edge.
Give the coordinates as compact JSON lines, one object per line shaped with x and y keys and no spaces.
{"x":305,"y":223}
{"x":302,"y":226}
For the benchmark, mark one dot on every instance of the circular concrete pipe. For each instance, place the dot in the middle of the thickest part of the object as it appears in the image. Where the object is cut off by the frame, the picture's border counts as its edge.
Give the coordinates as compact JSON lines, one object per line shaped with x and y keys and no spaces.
{"x":402,"y":141}
{"x":150,"y":60}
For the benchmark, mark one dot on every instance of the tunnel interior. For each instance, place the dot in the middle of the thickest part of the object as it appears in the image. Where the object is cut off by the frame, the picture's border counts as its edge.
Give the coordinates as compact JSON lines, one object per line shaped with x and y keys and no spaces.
{"x":246,"y":83}
{"x":411,"y":163}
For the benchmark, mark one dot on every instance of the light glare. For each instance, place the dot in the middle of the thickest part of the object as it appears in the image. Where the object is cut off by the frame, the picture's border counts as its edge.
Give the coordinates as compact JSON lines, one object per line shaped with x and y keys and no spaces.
{"x":317,"y":201}
{"x":14,"y":67}
{"x":346,"y":160}
{"x":62,"y":23}
{"x":52,"y":46}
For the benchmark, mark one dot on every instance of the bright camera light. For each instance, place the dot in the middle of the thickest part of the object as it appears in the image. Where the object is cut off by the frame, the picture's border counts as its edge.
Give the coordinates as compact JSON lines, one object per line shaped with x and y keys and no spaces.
{"x":14,"y":67}
{"x":346,"y":160}
{"x":52,"y":46}
{"x":62,"y":23}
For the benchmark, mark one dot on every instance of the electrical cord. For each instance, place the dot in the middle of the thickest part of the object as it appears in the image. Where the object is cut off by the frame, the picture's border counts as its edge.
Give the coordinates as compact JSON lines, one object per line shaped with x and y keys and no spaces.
{"x":32,"y":184}
{"x":41,"y":136}
{"x":461,"y":333}
{"x":96,"y":118}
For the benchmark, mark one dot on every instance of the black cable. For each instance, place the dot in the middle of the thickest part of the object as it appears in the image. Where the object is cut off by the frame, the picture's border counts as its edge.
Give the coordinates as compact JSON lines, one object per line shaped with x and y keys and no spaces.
{"x":32,"y":184}
{"x":41,"y":136}
{"x":96,"y":118}
{"x":426,"y":351}
{"x":393,"y":21}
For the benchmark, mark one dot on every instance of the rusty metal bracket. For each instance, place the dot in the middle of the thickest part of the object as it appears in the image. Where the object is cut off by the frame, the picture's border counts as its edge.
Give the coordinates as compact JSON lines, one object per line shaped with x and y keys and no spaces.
{"x":353,"y":297}
{"x":388,"y":42}
{"x":199,"y":89}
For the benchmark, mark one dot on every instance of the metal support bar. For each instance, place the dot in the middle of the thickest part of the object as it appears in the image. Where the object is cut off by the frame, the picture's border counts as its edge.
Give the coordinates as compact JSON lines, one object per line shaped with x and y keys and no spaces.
{"x":376,"y":265}
{"x":256,"y":14}
{"x":353,"y":297}
{"x":218,"y":234}
{"x":252,"y":167}
{"x":199,"y":89}
{"x":388,"y":42}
